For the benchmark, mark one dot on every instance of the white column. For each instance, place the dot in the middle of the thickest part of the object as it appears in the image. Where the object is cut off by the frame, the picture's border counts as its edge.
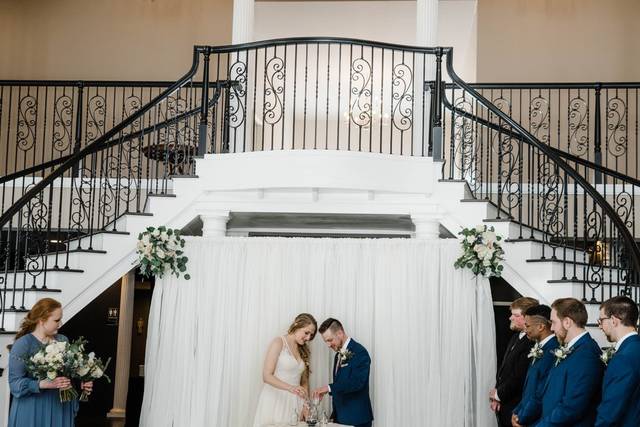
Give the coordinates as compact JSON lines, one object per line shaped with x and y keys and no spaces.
{"x":214,"y":224}
{"x":427,"y":23}
{"x":426,"y":36}
{"x":242,"y":31}
{"x":427,"y":225}
{"x":123,"y":355}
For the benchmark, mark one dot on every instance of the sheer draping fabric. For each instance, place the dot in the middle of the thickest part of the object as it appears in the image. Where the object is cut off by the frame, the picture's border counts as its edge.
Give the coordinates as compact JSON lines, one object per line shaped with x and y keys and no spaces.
{"x":428,"y":328}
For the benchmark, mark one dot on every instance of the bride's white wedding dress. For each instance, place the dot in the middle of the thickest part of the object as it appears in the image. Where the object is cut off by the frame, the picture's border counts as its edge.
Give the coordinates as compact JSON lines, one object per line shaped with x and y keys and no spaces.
{"x":277,"y":406}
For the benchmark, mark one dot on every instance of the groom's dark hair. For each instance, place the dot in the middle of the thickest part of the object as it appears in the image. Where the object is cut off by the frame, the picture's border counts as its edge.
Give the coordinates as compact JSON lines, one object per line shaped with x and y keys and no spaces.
{"x":331,"y":323}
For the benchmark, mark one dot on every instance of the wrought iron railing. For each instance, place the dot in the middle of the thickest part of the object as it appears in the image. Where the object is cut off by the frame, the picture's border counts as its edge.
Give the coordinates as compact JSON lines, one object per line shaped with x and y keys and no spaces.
{"x":596,"y":122}
{"x":573,"y":204}
{"x":122,"y":145}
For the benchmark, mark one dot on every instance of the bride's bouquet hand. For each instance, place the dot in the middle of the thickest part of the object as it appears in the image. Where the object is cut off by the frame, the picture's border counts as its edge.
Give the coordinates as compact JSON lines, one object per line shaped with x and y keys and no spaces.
{"x":299,"y":391}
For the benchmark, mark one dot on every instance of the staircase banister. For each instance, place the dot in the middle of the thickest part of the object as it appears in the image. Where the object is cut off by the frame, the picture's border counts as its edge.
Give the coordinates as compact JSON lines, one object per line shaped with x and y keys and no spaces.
{"x":133,"y":135}
{"x":584,"y":162}
{"x":634,"y":251}
{"x":319,"y":40}
{"x":98,"y":144}
{"x":546,"y":85}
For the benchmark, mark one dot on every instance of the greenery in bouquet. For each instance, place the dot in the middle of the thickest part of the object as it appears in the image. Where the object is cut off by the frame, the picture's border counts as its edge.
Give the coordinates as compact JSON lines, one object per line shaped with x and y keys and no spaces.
{"x":89,"y":367}
{"x":160,"y":251}
{"x":481,"y":251}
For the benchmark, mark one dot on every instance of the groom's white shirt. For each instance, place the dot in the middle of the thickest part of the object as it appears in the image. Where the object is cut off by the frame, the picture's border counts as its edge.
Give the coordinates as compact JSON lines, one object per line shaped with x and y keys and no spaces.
{"x":344,"y":347}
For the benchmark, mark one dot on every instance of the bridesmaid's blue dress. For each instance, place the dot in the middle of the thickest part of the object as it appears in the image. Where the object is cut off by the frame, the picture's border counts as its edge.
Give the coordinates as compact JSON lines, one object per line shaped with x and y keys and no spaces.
{"x":32,"y":407}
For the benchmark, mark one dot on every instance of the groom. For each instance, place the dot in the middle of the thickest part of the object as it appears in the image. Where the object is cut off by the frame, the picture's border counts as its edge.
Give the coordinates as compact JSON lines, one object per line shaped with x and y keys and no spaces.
{"x":350,"y":387}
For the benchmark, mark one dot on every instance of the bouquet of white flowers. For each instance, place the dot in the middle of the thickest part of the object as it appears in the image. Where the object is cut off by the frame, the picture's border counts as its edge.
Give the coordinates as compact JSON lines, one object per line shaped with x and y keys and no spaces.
{"x":482,"y":252}
{"x":160,"y":252}
{"x":63,"y":359}
{"x":51,"y":361}
{"x":89,"y":367}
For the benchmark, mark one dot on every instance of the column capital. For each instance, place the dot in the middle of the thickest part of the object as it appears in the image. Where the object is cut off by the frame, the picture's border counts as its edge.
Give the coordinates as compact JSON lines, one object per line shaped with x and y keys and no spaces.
{"x":214,"y":223}
{"x":427,"y":224}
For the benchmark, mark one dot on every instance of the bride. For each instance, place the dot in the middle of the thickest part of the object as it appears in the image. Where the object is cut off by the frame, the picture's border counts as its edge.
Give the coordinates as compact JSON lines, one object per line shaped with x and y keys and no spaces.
{"x":286,"y":373}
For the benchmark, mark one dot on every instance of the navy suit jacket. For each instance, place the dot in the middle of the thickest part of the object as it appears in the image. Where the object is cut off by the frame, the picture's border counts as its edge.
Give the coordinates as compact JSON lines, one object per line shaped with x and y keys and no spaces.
{"x":530,"y":407}
{"x":572,"y":391}
{"x":350,"y":388}
{"x":620,"y":404}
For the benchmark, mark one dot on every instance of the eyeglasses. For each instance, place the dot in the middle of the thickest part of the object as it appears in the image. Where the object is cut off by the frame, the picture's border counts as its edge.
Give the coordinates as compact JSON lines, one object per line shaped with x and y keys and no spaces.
{"x":601,"y":319}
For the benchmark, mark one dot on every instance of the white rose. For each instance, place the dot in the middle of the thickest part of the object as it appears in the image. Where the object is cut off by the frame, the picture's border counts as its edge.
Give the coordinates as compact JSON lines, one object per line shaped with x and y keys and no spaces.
{"x":83,"y":371}
{"x":155,"y":233}
{"x":489,"y":236}
{"x":145,"y":239}
{"x":51,"y":375}
{"x":480,"y":228}
{"x":481,"y":250}
{"x":92,"y":356}
{"x":140,"y":246}
{"x":471,"y":239}
{"x":160,"y":253}
{"x":486,"y":262}
{"x":164,"y":236}
{"x":489,"y":253}
{"x":97,"y":373}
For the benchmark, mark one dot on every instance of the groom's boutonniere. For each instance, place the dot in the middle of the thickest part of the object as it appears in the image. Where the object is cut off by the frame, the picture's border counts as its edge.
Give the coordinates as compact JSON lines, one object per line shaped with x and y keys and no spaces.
{"x":345,"y":356}
{"x":607,"y":354}
{"x":535,"y":353}
{"x":561,"y":353}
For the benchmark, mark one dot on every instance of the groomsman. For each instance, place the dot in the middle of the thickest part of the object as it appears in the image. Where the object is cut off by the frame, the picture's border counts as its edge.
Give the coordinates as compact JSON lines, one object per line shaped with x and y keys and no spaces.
{"x":513,"y":369}
{"x":537,"y":323}
{"x":620,"y":404}
{"x":572,"y":391}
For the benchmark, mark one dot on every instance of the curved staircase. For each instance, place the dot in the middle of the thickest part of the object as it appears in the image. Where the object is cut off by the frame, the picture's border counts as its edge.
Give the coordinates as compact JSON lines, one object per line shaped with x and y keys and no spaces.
{"x":301,"y":128}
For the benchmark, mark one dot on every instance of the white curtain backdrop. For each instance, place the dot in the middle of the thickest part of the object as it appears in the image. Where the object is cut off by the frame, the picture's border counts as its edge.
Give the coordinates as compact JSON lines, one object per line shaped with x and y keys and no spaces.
{"x":428,"y":328}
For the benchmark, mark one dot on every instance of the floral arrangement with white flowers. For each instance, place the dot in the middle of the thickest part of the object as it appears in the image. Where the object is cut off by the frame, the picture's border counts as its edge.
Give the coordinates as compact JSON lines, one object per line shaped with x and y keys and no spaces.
{"x":88,"y":366}
{"x":561,"y":353}
{"x":535,"y":353}
{"x":607,"y":354}
{"x":160,"y":251}
{"x":63,"y":359}
{"x":481,"y":251}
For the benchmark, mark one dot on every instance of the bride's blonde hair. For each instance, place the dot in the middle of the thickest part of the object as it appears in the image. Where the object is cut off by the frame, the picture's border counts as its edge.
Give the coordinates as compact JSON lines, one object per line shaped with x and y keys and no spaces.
{"x":302,"y":320}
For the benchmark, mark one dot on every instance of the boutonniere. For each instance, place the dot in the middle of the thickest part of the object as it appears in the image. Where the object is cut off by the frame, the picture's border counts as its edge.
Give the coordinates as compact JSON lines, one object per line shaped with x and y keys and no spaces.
{"x":561,"y":353}
{"x":535,"y":353}
{"x":607,"y":354}
{"x":345,"y":356}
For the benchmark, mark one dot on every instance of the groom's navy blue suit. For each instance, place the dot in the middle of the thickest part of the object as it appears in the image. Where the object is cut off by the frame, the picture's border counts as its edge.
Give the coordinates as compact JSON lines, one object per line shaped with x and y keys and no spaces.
{"x":350,"y":388}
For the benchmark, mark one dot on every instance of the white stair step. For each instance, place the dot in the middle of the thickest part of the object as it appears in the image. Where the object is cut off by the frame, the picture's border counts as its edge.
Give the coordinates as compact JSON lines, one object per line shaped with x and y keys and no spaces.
{"x":55,"y":278}
{"x":31,"y":296}
{"x":135,"y":221}
{"x":73,"y":259}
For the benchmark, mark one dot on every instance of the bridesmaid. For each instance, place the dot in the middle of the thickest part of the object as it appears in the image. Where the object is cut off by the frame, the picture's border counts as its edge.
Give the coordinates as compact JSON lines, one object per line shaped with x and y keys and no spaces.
{"x":37,"y":403}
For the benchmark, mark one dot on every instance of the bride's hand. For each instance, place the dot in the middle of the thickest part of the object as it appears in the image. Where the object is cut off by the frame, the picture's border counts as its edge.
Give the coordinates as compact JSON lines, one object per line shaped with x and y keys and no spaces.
{"x":298,"y":391}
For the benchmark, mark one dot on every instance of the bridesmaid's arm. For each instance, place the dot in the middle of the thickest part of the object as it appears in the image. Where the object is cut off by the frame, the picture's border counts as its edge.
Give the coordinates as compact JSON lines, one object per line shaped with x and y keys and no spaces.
{"x":20,"y":383}
{"x":270,"y":362}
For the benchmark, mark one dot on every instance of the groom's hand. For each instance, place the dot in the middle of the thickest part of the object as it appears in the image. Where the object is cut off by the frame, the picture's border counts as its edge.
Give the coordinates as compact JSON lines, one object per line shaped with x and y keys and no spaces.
{"x":320,"y":392}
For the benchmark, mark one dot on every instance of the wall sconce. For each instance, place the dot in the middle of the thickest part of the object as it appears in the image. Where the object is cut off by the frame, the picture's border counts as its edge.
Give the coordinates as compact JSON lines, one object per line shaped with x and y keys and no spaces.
{"x":598,"y":254}
{"x":140,"y":325}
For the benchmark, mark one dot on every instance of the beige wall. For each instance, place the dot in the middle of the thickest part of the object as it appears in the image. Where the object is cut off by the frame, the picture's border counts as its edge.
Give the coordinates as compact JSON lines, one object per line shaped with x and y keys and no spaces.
{"x":112,"y":39}
{"x":558,"y":40}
